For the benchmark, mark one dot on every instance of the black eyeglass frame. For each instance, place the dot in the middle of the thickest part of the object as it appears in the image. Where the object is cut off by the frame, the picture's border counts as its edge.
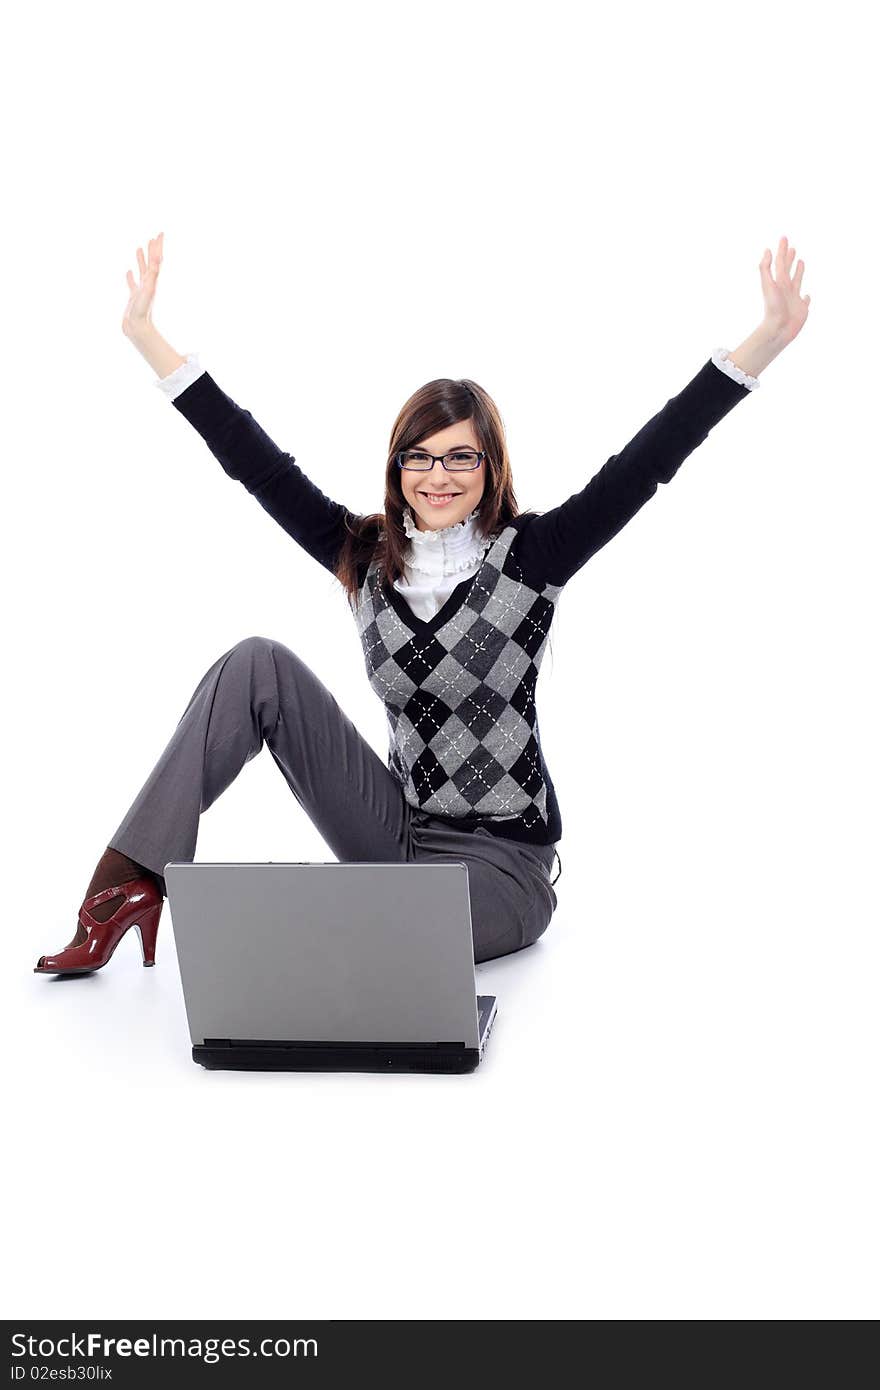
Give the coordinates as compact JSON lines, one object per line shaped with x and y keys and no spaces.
{"x":440,"y":458}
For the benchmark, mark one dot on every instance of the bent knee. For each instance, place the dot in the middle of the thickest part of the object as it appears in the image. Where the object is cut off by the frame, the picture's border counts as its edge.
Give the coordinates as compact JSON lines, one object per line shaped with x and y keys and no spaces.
{"x":258,"y":648}
{"x":253,"y":644}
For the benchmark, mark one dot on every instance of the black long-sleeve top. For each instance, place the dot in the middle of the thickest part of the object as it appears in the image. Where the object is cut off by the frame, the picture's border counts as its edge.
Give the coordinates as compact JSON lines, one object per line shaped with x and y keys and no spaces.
{"x":554,"y":545}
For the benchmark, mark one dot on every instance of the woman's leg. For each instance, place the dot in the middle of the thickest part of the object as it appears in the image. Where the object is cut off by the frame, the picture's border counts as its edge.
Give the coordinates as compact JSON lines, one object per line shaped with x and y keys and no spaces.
{"x":262,"y":692}
{"x":512,"y":899}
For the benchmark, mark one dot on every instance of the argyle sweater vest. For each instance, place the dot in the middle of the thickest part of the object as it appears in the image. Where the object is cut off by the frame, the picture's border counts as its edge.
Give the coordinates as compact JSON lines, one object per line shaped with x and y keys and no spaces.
{"x":459,"y":693}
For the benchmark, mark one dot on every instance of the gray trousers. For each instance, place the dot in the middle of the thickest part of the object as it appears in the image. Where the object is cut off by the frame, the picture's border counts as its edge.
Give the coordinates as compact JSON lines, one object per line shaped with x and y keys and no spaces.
{"x":262,"y":692}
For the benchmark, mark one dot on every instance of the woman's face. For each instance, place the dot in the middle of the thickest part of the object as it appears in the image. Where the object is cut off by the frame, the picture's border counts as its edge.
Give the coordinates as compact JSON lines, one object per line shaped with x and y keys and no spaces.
{"x":463,"y":490}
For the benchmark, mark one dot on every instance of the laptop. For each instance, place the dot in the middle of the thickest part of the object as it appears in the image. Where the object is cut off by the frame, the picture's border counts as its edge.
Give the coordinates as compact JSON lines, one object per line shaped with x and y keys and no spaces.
{"x":328,"y":967}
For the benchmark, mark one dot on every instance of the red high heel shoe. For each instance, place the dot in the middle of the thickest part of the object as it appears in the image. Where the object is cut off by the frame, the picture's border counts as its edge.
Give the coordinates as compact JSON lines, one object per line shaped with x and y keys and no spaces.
{"x":142,"y":909}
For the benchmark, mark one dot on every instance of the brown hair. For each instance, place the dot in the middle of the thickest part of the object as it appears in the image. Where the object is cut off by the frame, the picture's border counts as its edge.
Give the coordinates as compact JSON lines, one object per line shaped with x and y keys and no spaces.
{"x":431,"y":408}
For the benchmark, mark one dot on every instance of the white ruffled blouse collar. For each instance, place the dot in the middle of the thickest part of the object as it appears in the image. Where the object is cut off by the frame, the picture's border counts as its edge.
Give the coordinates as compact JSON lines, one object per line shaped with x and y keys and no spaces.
{"x":446,"y":550}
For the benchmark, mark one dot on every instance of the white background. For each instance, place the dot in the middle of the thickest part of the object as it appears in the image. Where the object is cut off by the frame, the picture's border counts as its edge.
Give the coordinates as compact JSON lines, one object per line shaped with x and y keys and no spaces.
{"x":676,"y":1117}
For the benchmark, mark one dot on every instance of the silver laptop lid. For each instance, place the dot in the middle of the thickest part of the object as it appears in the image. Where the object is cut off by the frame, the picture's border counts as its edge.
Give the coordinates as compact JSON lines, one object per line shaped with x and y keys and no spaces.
{"x":337,"y":952}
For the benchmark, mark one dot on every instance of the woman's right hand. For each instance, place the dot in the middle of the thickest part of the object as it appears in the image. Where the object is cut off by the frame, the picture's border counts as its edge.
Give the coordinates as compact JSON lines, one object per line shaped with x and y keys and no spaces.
{"x":137,"y":320}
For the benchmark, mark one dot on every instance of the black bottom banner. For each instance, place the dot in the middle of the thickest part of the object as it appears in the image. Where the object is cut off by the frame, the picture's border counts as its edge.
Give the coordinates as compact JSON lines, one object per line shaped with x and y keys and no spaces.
{"x":208,"y":1353}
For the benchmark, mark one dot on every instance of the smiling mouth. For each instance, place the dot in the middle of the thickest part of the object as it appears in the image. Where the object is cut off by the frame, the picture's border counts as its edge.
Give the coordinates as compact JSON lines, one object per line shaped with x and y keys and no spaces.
{"x":439,"y":497}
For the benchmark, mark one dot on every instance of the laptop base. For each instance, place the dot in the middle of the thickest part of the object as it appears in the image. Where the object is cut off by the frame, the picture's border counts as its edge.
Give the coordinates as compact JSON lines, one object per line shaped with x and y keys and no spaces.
{"x":243,"y":1054}
{"x":237,"y":1054}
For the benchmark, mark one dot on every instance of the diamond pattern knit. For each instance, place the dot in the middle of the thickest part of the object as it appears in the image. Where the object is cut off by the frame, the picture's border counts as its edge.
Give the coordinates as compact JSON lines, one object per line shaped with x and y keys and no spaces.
{"x":459,"y":692}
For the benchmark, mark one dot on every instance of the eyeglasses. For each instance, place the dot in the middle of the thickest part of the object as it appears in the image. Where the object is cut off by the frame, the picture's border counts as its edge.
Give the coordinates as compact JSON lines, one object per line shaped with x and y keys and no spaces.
{"x":461,"y":461}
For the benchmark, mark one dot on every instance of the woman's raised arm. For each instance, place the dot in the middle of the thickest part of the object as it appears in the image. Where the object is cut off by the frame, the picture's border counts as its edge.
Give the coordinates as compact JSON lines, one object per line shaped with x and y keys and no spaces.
{"x":553,"y":546}
{"x":243,"y":449}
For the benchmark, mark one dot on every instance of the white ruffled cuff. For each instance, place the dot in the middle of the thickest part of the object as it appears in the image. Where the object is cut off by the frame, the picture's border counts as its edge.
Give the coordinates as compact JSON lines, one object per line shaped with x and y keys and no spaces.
{"x":721,"y":358}
{"x":182,"y":376}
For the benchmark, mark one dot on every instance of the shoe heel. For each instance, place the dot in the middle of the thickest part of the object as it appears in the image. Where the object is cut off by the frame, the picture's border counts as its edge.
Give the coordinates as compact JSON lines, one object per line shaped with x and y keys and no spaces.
{"x":147,"y":928}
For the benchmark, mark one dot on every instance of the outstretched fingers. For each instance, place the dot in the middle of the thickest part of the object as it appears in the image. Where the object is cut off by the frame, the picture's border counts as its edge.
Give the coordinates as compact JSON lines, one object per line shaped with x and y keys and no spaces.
{"x":149,"y":265}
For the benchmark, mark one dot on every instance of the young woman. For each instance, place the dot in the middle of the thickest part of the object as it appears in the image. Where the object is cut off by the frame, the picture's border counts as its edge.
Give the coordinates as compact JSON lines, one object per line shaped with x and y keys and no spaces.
{"x":453,"y":591}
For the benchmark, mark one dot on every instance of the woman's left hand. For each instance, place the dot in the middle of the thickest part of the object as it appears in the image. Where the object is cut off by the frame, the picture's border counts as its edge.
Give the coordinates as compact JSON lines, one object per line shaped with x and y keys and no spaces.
{"x":785,"y":309}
